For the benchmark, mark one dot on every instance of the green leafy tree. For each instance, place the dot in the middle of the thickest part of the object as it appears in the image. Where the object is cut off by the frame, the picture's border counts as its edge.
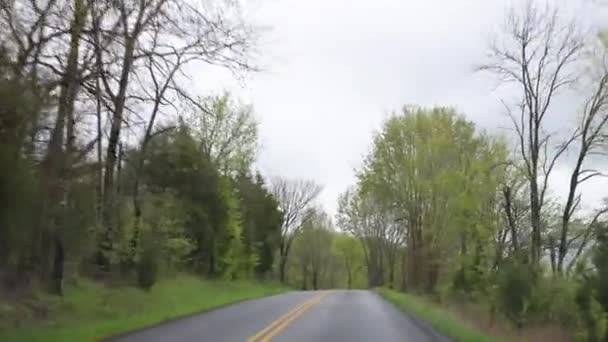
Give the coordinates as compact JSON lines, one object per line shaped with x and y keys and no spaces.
{"x":227,"y":132}
{"x":236,"y":263}
{"x":176,"y":165}
{"x":312,"y":250}
{"x":261,"y":220}
{"x":432,"y":179}
{"x":349,"y":252}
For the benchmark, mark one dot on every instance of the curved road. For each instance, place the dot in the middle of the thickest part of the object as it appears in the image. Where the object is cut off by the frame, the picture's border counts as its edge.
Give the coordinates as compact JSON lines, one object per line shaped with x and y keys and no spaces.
{"x":302,"y":316}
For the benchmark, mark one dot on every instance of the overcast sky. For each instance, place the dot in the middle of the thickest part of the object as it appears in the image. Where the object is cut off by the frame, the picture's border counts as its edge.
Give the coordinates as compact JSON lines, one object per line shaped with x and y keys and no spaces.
{"x":335,"y":68}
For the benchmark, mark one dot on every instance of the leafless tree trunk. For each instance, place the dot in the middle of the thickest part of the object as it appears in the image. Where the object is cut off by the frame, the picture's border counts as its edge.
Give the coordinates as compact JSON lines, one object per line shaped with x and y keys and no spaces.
{"x":99,"y":145}
{"x":106,"y":243}
{"x":59,"y":161}
{"x":508,"y":209}
{"x":590,"y":138}
{"x":537,"y":54}
{"x":295,"y":199}
{"x":590,"y":229}
{"x":304,"y":276}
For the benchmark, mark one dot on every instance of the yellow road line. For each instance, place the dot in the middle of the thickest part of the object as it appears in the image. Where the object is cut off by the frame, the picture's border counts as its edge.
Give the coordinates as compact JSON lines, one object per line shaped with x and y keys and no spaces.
{"x":279,"y":328}
{"x":282,"y":318}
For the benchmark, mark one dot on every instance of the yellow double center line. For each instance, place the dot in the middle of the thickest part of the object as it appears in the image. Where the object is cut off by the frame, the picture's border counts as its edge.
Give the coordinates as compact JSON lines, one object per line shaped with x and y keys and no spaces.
{"x":282,"y":322}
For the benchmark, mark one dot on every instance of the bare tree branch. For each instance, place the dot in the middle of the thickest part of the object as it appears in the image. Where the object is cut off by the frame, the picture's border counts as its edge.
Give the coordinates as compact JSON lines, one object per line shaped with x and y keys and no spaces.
{"x":295,"y":199}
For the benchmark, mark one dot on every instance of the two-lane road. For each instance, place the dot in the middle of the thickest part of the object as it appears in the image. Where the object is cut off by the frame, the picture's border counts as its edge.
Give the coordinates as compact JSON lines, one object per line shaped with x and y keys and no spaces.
{"x":304,"y":316}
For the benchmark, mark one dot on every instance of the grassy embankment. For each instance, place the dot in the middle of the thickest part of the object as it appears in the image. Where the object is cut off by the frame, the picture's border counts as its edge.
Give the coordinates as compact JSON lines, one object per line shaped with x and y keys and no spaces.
{"x":90,"y":311}
{"x":441,"y":320}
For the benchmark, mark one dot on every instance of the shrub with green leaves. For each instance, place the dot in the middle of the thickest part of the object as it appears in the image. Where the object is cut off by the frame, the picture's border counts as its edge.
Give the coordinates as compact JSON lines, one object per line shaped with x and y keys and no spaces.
{"x":591,"y":314}
{"x":515,"y":287}
{"x":147,"y":269}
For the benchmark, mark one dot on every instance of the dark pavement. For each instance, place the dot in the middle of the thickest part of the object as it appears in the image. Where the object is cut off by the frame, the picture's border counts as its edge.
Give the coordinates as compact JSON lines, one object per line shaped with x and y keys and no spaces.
{"x":324,"y":316}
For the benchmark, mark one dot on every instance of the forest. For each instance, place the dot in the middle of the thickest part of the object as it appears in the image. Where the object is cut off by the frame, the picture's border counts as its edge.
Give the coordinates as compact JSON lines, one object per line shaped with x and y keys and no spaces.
{"x":115,"y":169}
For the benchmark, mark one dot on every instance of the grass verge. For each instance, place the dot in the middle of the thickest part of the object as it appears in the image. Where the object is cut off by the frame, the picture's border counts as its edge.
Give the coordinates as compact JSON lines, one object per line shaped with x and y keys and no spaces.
{"x":90,"y":312}
{"x":439,"y":319}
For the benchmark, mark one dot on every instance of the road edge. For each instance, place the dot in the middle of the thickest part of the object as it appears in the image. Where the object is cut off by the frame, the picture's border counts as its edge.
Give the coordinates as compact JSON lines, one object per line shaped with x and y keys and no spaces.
{"x":177,"y":318}
{"x":418,"y":322}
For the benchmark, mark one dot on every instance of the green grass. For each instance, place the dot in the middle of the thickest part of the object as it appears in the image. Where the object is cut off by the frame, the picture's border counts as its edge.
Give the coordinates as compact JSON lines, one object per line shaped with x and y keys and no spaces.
{"x":441,"y":320}
{"x":90,"y":311}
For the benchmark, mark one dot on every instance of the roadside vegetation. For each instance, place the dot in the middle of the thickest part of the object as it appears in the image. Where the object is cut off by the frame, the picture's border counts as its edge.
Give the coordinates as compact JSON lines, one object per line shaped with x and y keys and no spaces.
{"x":117,"y":175}
{"x":467,"y":221}
{"x":438,"y":318}
{"x":89,"y":311}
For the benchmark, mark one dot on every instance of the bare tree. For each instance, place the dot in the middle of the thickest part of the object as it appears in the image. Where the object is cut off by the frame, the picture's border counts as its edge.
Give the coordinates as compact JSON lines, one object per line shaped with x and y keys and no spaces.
{"x":28,"y":28}
{"x":589,"y":138}
{"x":537,"y":53}
{"x":515,"y":210}
{"x":584,"y":237}
{"x":543,"y":54}
{"x":295,"y":199}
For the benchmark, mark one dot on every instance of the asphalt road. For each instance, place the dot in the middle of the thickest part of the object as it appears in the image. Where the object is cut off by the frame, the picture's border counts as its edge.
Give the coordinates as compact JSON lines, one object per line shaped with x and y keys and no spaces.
{"x":303,"y":316}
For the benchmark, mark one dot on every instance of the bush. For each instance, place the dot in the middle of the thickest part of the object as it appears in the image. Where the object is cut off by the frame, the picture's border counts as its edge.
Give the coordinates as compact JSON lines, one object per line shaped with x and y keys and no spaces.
{"x":591,"y":313}
{"x":515,"y":289}
{"x":554,"y":300}
{"x":147,"y":269}
{"x":441,"y":320}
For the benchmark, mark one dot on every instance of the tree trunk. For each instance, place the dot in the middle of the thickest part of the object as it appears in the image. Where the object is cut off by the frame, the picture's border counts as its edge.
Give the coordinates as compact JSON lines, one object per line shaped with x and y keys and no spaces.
{"x":58,"y":263}
{"x":416,"y":260}
{"x":391,"y":274}
{"x":432,"y":276}
{"x":211,"y":265}
{"x":119,"y":169}
{"x":282,"y":266}
{"x":568,"y":210}
{"x":508,"y":197}
{"x":137,"y":221}
{"x":138,"y":169}
{"x":106,"y":245}
{"x":57,"y":164}
{"x":404,"y":271}
{"x":284,"y":248}
{"x":99,"y":168}
{"x":304,"y":279}
{"x":554,"y":266}
{"x":535,"y":223}
{"x":535,"y":200}
{"x":368,"y":265}
{"x":349,"y":279}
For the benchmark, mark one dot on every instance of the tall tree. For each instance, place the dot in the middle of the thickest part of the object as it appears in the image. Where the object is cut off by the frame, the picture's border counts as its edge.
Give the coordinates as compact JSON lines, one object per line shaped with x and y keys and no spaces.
{"x":428,"y":178}
{"x":261,"y":221}
{"x":295,"y":198}
{"x":542,"y":53}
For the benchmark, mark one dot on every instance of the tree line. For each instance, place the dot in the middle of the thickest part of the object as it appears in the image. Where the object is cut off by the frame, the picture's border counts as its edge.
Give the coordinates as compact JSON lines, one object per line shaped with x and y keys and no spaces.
{"x":113,"y":166}
{"x":441,"y":207}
